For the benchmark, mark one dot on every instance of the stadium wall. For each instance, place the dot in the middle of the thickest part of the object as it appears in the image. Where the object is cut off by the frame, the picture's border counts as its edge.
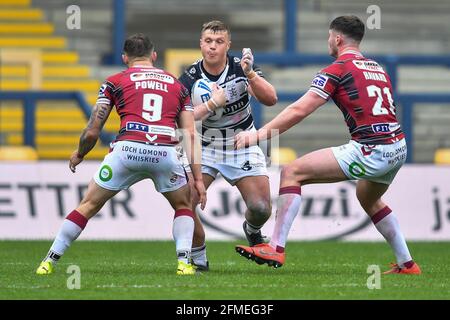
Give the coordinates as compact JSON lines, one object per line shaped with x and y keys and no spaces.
{"x":35,"y":197}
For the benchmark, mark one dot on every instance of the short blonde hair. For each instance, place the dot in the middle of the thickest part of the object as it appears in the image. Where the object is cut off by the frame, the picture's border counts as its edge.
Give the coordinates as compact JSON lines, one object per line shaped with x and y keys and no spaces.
{"x":216,"y":26}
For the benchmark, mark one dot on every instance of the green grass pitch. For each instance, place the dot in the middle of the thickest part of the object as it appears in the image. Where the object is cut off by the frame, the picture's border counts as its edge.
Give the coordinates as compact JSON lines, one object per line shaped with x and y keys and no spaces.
{"x":146,"y":270}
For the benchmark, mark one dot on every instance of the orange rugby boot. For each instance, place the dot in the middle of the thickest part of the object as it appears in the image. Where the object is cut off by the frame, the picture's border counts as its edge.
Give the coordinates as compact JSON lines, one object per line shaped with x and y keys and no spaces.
{"x":262,"y":253}
{"x":414,"y":269}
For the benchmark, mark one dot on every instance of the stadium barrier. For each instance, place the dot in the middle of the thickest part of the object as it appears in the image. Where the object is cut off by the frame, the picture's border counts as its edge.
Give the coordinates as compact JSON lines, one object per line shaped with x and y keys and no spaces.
{"x":30,"y":98}
{"x":178,"y":59}
{"x":36,"y":196}
{"x":18,"y":153}
{"x":29,"y":101}
{"x":442,"y":156}
{"x":406,"y":102}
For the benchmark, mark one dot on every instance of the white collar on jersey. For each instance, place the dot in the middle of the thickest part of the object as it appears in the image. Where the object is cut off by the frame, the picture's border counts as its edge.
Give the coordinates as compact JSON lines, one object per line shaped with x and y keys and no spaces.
{"x":222,"y":77}
{"x":351,"y":52}
{"x":143,"y":67}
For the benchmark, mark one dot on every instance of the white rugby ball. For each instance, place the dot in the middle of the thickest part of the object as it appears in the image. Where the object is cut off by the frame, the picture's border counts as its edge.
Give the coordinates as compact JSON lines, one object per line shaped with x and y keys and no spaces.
{"x":201,"y":92}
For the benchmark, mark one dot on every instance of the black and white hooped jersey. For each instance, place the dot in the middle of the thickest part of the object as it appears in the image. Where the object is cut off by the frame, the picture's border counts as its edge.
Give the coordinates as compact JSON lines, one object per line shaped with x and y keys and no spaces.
{"x":237,"y":115}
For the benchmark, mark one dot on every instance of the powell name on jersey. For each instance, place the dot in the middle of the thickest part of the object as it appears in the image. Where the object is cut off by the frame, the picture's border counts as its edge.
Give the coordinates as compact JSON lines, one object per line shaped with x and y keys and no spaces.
{"x":237,"y":114}
{"x":148,"y":101}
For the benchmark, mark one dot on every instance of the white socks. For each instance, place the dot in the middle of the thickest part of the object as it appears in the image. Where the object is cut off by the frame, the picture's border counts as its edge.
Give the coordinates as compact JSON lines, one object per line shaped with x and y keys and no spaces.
{"x":387,"y":224}
{"x":199,"y":256}
{"x":289,"y":201}
{"x":69,"y":231}
{"x":183,"y":231}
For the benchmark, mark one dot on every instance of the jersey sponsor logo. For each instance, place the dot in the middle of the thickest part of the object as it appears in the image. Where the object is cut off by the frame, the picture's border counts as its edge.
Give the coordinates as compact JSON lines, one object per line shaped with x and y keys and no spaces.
{"x":192,"y":70}
{"x":139,"y":76}
{"x":381,"y":127}
{"x":151,"y":129}
{"x":320,"y":81}
{"x":385,"y":127}
{"x":101,"y":92}
{"x":236,"y":60}
{"x":239,"y":105}
{"x":367,"y":65}
{"x":164,"y":130}
{"x":136,"y":126}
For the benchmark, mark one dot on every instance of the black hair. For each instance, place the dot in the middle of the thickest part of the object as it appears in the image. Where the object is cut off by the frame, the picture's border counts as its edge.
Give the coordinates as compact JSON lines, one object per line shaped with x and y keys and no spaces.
{"x":138,"y":45}
{"x":350,"y":26}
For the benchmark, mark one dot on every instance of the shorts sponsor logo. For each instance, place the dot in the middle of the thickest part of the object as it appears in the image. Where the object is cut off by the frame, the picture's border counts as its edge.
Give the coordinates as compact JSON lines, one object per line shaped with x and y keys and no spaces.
{"x":174,"y":178}
{"x":246,"y":166}
{"x":320,"y":81}
{"x":367,"y":149}
{"x":357,"y":169}
{"x":105,"y":173}
{"x":395,"y":156}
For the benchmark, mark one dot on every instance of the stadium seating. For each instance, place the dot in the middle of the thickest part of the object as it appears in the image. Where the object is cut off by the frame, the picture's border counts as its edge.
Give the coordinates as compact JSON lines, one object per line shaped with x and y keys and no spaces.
{"x":283,"y":156}
{"x":254,"y":17}
{"x":18,"y":153}
{"x":23,"y":28}
{"x":442,"y":156}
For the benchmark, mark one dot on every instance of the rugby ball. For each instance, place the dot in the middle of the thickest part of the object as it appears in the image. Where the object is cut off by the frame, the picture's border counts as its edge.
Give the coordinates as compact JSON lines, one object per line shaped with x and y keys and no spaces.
{"x":201,"y":92}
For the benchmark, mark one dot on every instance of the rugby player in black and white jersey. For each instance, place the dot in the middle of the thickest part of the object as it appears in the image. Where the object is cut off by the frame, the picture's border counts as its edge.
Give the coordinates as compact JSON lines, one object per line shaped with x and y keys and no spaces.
{"x":225,"y":114}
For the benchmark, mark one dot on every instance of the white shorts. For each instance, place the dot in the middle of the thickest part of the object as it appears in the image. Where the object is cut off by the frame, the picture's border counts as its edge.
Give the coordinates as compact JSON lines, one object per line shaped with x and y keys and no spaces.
{"x":131,"y":162}
{"x":232,"y":164}
{"x":379,"y":163}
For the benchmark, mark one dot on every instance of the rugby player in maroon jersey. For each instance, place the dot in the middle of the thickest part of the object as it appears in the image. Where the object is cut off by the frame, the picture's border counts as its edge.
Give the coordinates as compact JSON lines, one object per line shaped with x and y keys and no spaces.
{"x":362,"y":91}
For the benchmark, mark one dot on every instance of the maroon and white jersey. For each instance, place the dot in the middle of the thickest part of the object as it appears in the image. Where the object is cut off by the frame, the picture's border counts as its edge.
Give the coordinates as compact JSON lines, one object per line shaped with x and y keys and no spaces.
{"x":148,"y":101}
{"x":363,"y":92}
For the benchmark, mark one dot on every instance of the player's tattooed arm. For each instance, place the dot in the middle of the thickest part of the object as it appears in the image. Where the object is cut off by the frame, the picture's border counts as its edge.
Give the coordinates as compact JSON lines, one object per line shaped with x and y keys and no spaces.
{"x":90,"y":134}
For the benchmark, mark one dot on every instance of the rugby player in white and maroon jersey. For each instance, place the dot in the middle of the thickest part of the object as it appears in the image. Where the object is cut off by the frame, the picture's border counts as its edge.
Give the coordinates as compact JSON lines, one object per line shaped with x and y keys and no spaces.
{"x":362,"y":90}
{"x":151,"y":104}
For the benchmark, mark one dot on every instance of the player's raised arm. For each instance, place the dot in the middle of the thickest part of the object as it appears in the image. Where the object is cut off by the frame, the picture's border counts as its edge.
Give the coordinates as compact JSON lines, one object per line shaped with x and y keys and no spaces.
{"x":259,"y":87}
{"x":290,"y":116}
{"x":90,"y":134}
{"x":193,"y":152}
